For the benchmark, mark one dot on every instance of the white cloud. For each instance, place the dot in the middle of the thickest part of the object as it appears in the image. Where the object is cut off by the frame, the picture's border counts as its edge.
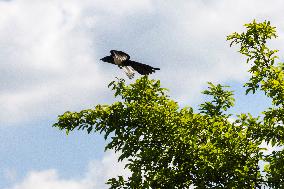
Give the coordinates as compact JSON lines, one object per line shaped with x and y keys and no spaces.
{"x":98,"y":173}
{"x":50,"y":50}
{"x":48,"y":62}
{"x":46,"y":180}
{"x":196,"y":47}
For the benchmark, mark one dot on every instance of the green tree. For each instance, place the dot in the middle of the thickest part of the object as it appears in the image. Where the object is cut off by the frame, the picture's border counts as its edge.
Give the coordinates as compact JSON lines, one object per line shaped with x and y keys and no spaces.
{"x":267,"y":76}
{"x":167,"y":146}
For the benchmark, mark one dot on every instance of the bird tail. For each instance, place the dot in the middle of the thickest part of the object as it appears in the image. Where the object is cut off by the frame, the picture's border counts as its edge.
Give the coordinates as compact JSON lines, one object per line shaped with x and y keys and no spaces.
{"x":129,"y":71}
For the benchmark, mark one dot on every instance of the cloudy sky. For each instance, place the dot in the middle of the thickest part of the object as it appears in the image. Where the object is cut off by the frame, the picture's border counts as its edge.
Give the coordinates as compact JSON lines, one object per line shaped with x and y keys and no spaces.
{"x":49,"y":63}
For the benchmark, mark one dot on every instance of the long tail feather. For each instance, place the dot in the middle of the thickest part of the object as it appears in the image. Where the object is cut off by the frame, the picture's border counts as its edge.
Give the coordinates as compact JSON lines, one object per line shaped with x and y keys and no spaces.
{"x":142,"y":69}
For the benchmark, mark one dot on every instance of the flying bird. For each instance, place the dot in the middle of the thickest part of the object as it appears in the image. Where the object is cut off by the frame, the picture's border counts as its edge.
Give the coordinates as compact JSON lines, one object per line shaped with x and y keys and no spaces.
{"x":122,"y":60}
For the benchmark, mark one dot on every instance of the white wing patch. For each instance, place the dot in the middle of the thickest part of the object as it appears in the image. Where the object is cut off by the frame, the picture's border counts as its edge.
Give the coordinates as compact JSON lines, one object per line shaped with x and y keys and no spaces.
{"x":129,"y":71}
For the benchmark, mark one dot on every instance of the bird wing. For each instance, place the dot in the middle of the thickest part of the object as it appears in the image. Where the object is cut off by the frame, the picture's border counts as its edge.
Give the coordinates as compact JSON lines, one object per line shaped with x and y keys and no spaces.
{"x":143,"y":69}
{"x":119,"y":55}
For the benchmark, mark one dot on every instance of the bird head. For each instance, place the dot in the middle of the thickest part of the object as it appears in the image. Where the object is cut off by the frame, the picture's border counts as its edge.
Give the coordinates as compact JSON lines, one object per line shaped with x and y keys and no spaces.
{"x":108,"y":59}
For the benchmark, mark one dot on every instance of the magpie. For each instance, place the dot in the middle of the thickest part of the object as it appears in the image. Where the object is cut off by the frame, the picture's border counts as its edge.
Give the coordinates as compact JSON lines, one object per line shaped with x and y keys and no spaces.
{"x":122,"y":60}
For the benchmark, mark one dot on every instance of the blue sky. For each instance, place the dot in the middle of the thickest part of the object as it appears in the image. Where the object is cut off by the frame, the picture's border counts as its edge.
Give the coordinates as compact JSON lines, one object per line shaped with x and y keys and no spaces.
{"x":49,"y":63}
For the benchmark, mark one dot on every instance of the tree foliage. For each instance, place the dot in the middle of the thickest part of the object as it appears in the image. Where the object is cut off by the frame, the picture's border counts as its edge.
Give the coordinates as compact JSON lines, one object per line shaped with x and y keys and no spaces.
{"x":167,"y":146}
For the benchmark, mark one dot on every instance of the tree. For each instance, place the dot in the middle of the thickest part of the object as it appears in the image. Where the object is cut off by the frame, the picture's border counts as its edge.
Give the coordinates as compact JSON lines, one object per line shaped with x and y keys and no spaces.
{"x":167,"y":146}
{"x":268,"y":77}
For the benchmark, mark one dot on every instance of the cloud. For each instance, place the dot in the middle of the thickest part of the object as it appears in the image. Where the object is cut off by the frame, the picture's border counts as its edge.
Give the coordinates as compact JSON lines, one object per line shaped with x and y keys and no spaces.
{"x":192,"y":42}
{"x":48,"y":62}
{"x":50,"y":50}
{"x":98,"y":173}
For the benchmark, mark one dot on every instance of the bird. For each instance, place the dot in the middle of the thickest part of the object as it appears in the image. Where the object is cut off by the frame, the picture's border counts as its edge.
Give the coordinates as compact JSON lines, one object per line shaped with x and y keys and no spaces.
{"x":122,"y":60}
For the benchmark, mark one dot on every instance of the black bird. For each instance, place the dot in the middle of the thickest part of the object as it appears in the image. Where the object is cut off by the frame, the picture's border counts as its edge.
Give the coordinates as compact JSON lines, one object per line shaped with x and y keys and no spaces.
{"x":123,"y":61}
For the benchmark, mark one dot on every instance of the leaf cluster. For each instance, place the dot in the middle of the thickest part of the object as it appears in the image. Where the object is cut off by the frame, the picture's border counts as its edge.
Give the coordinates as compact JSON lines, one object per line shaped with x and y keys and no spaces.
{"x":167,"y":146}
{"x":266,"y":76}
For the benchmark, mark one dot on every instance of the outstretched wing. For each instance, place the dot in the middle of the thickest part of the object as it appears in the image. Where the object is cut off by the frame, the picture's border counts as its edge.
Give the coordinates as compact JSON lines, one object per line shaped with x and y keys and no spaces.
{"x":143,"y":69}
{"x":119,"y":56}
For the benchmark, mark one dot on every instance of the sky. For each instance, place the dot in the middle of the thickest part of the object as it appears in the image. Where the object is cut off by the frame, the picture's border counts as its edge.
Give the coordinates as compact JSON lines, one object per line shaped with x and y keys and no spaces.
{"x":50,"y":62}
